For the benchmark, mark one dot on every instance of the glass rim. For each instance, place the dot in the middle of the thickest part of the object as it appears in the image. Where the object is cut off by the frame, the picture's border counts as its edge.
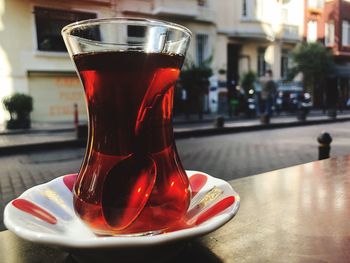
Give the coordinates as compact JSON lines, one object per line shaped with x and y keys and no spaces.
{"x":134,"y":21}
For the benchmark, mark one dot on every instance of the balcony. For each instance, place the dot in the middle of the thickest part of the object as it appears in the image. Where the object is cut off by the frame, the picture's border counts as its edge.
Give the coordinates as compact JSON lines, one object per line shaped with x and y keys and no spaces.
{"x":185,"y":8}
{"x":136,"y":6}
{"x":205,"y":14}
{"x":189,"y":9}
{"x":290,"y":33}
{"x":262,"y":30}
{"x":98,"y":2}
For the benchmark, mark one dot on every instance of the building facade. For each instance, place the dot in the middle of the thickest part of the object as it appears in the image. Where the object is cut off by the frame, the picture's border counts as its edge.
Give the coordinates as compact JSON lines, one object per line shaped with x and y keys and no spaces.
{"x":33,"y":58}
{"x":328,"y":22}
{"x":257,"y":35}
{"x":237,"y":36}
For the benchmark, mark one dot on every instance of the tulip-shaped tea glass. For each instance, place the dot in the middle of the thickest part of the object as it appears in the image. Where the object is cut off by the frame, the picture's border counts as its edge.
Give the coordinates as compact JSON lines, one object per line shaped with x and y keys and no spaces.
{"x":131,"y":180}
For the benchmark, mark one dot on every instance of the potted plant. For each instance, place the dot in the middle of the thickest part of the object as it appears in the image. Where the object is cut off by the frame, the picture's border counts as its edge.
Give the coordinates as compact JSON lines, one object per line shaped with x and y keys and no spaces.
{"x":19,"y":106}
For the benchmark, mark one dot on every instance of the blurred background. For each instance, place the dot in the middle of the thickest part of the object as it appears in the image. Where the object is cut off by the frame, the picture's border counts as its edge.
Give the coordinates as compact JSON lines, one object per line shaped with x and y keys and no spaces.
{"x":304,"y":44}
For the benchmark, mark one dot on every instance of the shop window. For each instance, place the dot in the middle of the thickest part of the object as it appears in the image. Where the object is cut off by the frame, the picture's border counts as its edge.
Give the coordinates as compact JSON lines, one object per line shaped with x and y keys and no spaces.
{"x":49,"y":23}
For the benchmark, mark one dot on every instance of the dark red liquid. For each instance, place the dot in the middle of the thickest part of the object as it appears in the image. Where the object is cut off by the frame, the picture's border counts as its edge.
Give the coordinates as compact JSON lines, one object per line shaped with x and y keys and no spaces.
{"x":131,"y":180}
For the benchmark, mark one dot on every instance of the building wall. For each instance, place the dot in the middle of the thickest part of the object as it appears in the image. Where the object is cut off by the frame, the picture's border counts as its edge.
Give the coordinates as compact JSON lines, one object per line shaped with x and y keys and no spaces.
{"x":337,"y":11}
{"x":19,"y":56}
{"x":23,"y":67}
{"x":227,"y":14}
{"x":199,"y":28}
{"x":329,"y":12}
{"x":338,"y":83}
{"x":344,"y":15}
{"x":220,"y":53}
{"x":266,"y":23}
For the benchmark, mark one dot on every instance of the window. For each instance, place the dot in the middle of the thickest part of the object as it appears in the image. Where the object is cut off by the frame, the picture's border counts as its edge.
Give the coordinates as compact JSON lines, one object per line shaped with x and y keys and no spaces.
{"x":262,"y":65}
{"x":311,"y":31}
{"x":285,"y":61}
{"x":345,"y":33}
{"x":317,"y":4}
{"x":285,"y":17}
{"x":329,"y":33}
{"x":248,"y":8}
{"x":202,"y":48}
{"x":259,"y":7}
{"x":49,"y":23}
{"x":244,"y":8}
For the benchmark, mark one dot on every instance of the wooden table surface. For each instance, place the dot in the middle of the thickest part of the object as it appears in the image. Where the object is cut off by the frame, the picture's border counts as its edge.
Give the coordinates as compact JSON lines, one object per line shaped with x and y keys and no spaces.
{"x":297,"y":214}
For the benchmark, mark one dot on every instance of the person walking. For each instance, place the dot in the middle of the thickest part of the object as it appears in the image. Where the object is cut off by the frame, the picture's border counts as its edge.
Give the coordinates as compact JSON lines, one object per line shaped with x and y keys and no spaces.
{"x":268,"y":92}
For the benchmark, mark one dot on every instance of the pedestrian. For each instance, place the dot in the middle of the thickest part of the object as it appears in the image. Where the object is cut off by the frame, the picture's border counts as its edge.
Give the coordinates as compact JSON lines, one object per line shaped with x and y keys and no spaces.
{"x":268,"y":91}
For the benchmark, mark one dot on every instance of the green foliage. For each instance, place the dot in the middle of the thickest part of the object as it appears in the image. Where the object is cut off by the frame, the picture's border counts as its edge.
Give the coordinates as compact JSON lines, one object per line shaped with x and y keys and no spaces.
{"x":247,"y":80}
{"x":222,"y":71}
{"x":193,"y":76}
{"x":314,"y":61}
{"x":195,"y":80}
{"x":18,"y":104}
{"x":291,"y":73}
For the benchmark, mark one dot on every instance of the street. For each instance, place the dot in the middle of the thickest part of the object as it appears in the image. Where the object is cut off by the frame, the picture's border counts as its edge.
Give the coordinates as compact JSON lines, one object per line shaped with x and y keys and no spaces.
{"x":237,"y":155}
{"x":226,"y":156}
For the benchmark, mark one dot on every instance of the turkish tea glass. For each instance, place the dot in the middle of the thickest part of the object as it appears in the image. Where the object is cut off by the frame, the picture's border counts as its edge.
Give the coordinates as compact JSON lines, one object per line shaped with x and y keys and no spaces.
{"x":131,"y":181}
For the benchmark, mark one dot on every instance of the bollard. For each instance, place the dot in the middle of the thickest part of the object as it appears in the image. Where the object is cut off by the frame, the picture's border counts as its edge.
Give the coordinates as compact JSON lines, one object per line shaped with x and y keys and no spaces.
{"x":332,"y":114}
{"x":301,"y":115}
{"x":265,"y":119}
{"x":324,"y":140}
{"x":219,"y":122}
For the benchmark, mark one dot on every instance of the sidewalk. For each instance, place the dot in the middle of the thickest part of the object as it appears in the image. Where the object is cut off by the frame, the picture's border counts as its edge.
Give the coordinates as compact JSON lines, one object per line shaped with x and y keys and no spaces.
{"x":44,"y":136}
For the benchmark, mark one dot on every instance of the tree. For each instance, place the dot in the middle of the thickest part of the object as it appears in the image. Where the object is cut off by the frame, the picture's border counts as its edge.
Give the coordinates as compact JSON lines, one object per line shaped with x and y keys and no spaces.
{"x":315,"y":62}
{"x":195,"y":80}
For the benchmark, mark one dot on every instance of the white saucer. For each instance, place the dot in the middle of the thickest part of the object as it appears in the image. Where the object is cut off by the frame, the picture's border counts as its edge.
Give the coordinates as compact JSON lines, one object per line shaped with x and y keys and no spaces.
{"x":44,"y":214}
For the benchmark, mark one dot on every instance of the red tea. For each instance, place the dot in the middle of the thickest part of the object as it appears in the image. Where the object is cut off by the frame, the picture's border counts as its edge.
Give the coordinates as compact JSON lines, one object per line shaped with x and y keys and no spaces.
{"x":131,"y":180}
